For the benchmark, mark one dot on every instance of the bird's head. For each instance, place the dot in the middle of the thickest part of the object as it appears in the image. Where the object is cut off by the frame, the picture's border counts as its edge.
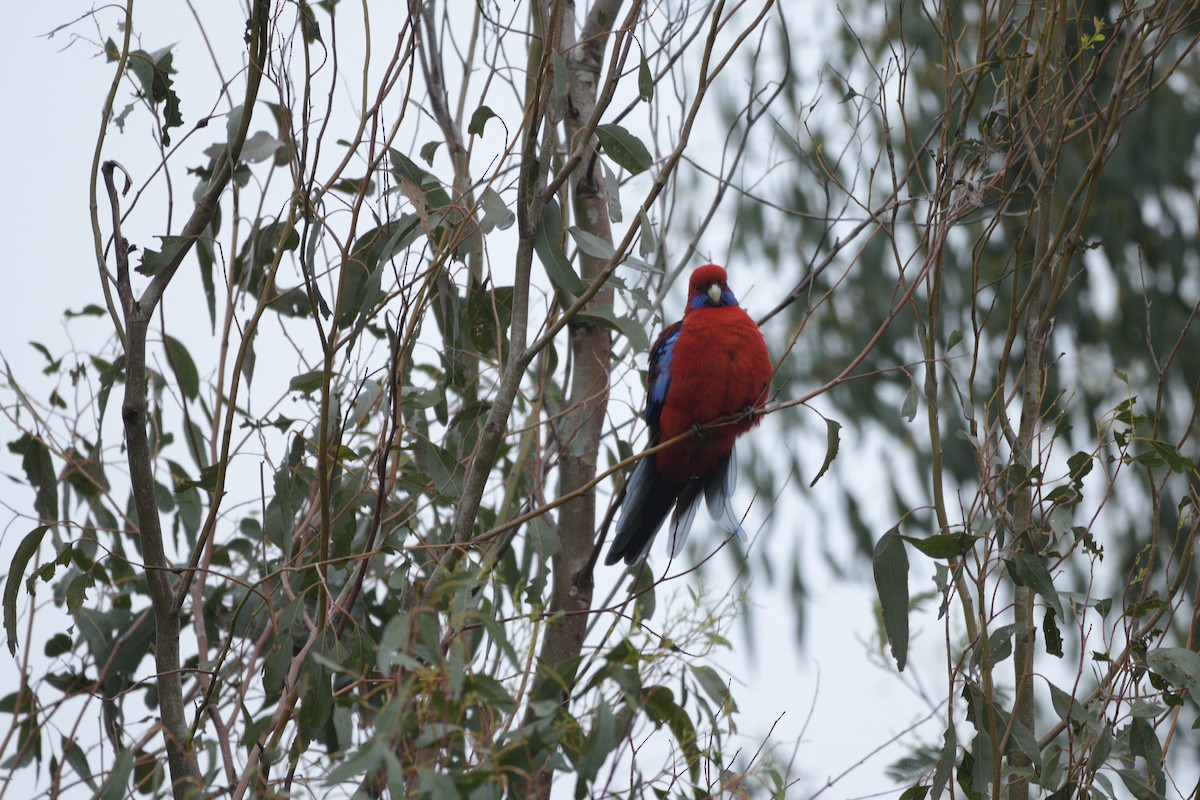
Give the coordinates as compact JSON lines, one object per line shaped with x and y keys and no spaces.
{"x":707,"y":288}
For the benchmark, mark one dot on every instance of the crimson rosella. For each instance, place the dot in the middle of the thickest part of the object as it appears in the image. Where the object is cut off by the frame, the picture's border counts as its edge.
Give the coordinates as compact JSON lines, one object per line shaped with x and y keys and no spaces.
{"x":711,"y":364}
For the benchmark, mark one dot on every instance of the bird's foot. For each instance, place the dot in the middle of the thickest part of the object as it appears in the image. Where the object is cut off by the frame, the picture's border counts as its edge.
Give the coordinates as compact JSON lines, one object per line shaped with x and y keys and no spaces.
{"x":698,"y":430}
{"x":748,"y":413}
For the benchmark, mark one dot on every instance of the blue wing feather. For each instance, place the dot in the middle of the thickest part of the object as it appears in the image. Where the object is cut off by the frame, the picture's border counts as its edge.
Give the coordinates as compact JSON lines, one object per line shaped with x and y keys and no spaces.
{"x":658,"y":379}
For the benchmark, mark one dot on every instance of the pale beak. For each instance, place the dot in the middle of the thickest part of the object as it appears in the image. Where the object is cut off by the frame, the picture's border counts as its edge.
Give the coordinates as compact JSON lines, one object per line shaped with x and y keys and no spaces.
{"x":714,"y":294}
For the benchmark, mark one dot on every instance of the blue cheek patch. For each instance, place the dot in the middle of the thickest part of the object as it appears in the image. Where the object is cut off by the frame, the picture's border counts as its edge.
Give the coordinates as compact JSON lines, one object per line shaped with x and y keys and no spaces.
{"x":702,"y":301}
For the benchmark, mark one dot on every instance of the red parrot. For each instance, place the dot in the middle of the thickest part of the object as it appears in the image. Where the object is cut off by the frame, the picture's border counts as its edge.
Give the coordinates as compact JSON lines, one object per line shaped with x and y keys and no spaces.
{"x":711,"y":364}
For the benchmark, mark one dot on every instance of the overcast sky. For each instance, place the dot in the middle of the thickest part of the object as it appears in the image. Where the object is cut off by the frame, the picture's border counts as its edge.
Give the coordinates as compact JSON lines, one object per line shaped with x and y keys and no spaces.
{"x":53,"y":94}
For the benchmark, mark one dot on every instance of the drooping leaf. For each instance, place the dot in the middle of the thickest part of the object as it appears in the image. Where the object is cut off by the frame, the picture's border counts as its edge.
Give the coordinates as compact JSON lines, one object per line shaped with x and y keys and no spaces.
{"x":38,"y":467}
{"x":550,"y":252}
{"x":12,"y":583}
{"x":833,"y":440}
{"x":479,"y":120}
{"x":716,"y":688}
{"x":558,"y":92}
{"x":429,"y":150}
{"x":612,"y":192}
{"x":185,"y":368}
{"x":1052,"y":635}
{"x":890,"y":566}
{"x":645,"y":80}
{"x":660,"y":706}
{"x":308,"y":24}
{"x":116,"y":786}
{"x":599,"y":743}
{"x":647,"y":242}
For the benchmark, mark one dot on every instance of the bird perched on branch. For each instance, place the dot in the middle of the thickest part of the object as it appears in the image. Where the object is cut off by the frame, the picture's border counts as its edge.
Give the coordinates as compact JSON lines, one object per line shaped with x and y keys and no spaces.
{"x":711,"y":364}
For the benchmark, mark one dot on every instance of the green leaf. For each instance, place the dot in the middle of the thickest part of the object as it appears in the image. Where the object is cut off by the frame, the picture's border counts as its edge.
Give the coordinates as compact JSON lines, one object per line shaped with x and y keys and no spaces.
{"x":833,"y":440}
{"x":592,"y":245}
{"x":440,"y":470}
{"x":77,"y":591}
{"x":544,"y":538}
{"x":73,"y":754}
{"x":354,"y":186}
{"x":307,"y":382}
{"x":1144,"y":742}
{"x":39,"y":471}
{"x":58,"y":644}
{"x":367,"y":760}
{"x":260,"y":147}
{"x":1080,"y":465}
{"x":604,"y":317}
{"x":909,"y":410}
{"x":155,"y":261}
{"x":645,"y":80}
{"x":153,"y":71}
{"x":1026,"y":569}
{"x":558,"y":93}
{"x":495,"y":213}
{"x":1179,"y":666}
{"x":90,"y":310}
{"x":550,"y":252}
{"x":423,"y":187}
{"x":599,"y":743}
{"x":646,"y":239}
{"x":943,"y":545}
{"x":612,"y":192}
{"x":118,"y":779}
{"x":1052,"y":635}
{"x":1068,"y":708}
{"x":185,"y":369}
{"x":999,"y":646}
{"x":624,"y":148}
{"x":437,"y":785}
{"x":316,"y":700}
{"x":1101,"y":749}
{"x":308,"y":24}
{"x":660,"y":706}
{"x":890,"y":565}
{"x":429,"y":150}
{"x":479,"y":120}
{"x":490,"y":692}
{"x":917,"y":792}
{"x":16,"y":571}
{"x":1177,"y":463}
{"x":716,"y":688}
{"x":1137,"y":784}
